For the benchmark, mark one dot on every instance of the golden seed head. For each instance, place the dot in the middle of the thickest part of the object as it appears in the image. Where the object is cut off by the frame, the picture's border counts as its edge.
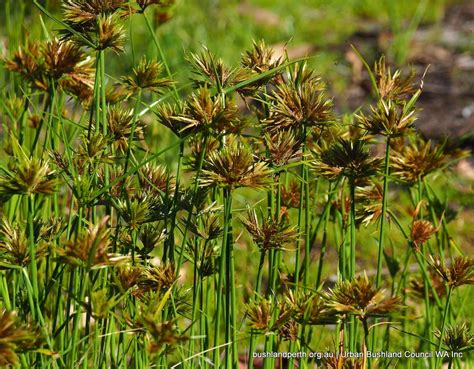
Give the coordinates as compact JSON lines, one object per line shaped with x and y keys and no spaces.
{"x":393,"y":86}
{"x":211,"y":72}
{"x":15,"y":338}
{"x":346,"y":158}
{"x":234,"y":166}
{"x":269,"y":233}
{"x":388,"y":119}
{"x":300,"y":102}
{"x":283,"y":147}
{"x":421,"y":232}
{"x":259,"y":315}
{"x":457,"y":337}
{"x":460,"y":272}
{"x":361,"y":298}
{"x":369,"y":201}
{"x":146,"y":76}
{"x":14,"y":247}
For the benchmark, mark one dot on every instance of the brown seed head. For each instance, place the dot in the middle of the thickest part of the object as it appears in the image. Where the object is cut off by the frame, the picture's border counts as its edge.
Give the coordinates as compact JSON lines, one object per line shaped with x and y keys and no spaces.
{"x":361,"y":298}
{"x":15,"y":338}
{"x":421,"y":232}
{"x":301,"y":102}
{"x":146,"y":76}
{"x":269,"y":233}
{"x":234,"y":166}
{"x":457,"y":338}
{"x":460,"y":272}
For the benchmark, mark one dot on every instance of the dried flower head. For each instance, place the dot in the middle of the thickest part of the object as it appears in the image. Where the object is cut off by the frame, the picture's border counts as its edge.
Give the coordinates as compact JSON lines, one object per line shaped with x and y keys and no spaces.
{"x":151,"y":236}
{"x":27,"y":61}
{"x":211,"y":72}
{"x":174,"y":117}
{"x":361,"y":298}
{"x":283,"y":147}
{"x":200,"y":112}
{"x":259,"y":314}
{"x":207,"y":226}
{"x":457,"y":338}
{"x":28,"y":176}
{"x":393,"y":86}
{"x":139,"y":210}
{"x":156,"y":179}
{"x":128,"y":276}
{"x":234,"y":166}
{"x":15,"y":338}
{"x":260,"y":59}
{"x":460,"y":272}
{"x":310,"y":307}
{"x":413,"y":162}
{"x":388,"y":119}
{"x":421,"y":232}
{"x":48,"y":229}
{"x":90,"y":249}
{"x":163,"y":335}
{"x":110,"y":34}
{"x":119,"y":185}
{"x":120,"y":123}
{"x":62,"y":62}
{"x":301,"y":102}
{"x":157,"y":278}
{"x":346,"y":158}
{"x":14,"y":244}
{"x":369,"y":200}
{"x":66,"y":58}
{"x":291,"y":195}
{"x":210,"y":112}
{"x":93,"y":149}
{"x":289,"y":331}
{"x":269,"y":233}
{"x":146,"y":76}
{"x":85,"y":13}
{"x":205,"y":253}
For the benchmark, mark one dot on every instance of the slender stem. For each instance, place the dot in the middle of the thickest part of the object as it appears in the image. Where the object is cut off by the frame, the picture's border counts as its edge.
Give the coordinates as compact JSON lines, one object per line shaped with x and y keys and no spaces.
{"x":443,"y":323}
{"x":366,"y":341}
{"x":378,"y":278}
{"x":169,"y":245}
{"x":132,"y":133}
{"x":162,"y":54}
{"x":220,"y":283}
{"x":32,"y":249}
{"x":194,"y":196}
{"x":352,"y":229}
{"x":257,"y":290}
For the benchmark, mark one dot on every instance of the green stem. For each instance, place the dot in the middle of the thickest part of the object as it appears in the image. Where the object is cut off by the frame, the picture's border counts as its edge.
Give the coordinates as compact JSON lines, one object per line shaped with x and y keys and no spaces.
{"x":162,"y":54}
{"x":257,"y":290}
{"x":378,"y":278}
{"x":443,"y":324}
{"x":220,"y":283}
{"x":352,"y":229}
{"x":194,"y":196}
